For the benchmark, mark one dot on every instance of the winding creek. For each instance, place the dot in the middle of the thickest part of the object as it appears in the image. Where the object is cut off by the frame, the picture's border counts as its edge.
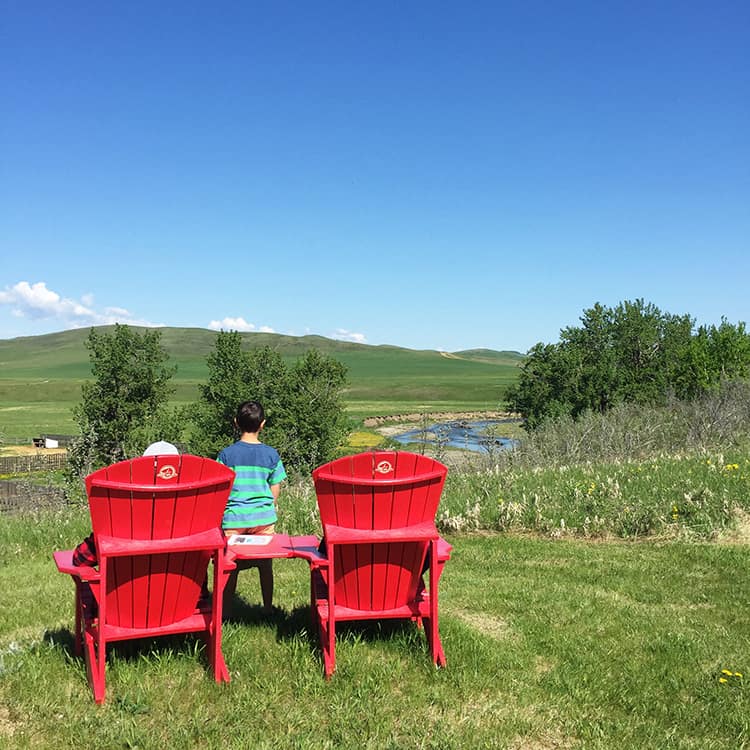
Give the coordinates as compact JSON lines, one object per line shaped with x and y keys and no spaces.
{"x":481,"y":435}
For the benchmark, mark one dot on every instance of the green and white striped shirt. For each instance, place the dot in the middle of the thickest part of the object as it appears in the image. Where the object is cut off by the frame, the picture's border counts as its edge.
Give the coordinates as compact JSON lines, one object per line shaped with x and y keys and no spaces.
{"x":257,"y":468}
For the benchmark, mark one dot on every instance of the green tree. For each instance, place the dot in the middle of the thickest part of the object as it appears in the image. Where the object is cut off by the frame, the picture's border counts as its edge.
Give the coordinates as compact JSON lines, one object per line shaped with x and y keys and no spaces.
{"x":219,"y":396}
{"x":715,"y":354}
{"x":633,"y":353}
{"x":304,"y":410}
{"x":544,"y":386}
{"x":315,"y":422}
{"x":125,"y":401}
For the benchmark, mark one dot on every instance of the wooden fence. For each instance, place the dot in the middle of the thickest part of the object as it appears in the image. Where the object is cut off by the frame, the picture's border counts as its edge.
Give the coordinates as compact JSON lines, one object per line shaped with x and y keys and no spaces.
{"x":18,"y":496}
{"x":27,"y":464}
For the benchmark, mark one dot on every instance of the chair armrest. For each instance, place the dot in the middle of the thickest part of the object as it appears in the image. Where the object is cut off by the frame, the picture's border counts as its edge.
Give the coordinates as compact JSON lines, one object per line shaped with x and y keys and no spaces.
{"x":117,"y":546}
{"x":421,"y":532}
{"x":230,"y":560}
{"x":443,"y":550}
{"x":306,"y":548}
{"x":64,"y":561}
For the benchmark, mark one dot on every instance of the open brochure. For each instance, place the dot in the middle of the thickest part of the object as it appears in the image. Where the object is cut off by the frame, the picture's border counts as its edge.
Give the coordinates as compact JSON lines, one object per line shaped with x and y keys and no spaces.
{"x":253,"y":539}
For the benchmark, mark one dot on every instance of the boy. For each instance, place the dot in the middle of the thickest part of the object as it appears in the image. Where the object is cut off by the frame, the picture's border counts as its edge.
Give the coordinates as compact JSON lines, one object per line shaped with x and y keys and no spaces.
{"x":252,"y":504}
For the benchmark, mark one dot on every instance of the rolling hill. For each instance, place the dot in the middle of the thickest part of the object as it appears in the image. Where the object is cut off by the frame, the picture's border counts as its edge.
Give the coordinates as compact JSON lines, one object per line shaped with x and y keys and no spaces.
{"x":47,"y":371}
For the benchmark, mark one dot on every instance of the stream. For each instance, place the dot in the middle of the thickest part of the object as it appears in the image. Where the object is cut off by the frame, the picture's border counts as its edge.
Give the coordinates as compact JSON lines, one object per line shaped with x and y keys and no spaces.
{"x":469,"y":436}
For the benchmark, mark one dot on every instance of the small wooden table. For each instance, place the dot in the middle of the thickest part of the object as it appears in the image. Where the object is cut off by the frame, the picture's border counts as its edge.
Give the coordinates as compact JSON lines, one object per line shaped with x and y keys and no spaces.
{"x":280,"y":546}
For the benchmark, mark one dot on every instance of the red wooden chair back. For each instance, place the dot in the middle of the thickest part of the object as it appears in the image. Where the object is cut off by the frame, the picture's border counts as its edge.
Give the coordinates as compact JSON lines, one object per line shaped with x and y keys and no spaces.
{"x":378,"y":491}
{"x":154,"y":498}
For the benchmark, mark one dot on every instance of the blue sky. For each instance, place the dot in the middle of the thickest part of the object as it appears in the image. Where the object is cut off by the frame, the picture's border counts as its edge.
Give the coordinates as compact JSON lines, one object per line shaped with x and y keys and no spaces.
{"x":431,"y":175}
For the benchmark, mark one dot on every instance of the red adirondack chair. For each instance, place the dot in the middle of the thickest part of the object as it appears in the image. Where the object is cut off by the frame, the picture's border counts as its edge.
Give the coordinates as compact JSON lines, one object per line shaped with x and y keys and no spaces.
{"x":157,"y":524}
{"x":378,"y":513}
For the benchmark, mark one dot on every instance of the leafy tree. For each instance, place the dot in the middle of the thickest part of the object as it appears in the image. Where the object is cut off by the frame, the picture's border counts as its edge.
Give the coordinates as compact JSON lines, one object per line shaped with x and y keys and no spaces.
{"x":633,"y":353}
{"x":315,"y":423}
{"x":126,"y":399}
{"x":304,"y":411}
{"x":220,"y":395}
{"x":542,"y":391}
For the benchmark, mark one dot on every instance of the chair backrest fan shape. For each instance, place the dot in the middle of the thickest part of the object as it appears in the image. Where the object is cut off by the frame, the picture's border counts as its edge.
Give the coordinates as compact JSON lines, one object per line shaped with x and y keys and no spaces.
{"x":154,"y":498}
{"x":379,"y":491}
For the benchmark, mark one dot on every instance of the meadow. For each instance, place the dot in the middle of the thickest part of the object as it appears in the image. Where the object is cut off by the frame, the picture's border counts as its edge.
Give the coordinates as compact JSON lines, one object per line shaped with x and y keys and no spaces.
{"x":550,"y":644}
{"x":41,"y":376}
{"x":596,"y":598}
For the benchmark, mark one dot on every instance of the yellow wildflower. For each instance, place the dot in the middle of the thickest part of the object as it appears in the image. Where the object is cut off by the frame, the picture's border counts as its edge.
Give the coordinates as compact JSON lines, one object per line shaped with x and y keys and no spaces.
{"x":722,"y":680}
{"x":727,"y":672}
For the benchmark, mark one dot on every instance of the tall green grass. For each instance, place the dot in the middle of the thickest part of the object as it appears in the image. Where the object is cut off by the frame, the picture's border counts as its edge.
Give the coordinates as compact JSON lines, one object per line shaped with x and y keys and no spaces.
{"x":678,"y":471}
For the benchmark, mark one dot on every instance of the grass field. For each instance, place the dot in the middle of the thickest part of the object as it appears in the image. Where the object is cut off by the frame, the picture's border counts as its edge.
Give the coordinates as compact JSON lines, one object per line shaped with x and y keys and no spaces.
{"x":565,"y":644}
{"x":41,"y":376}
{"x":559,"y":633}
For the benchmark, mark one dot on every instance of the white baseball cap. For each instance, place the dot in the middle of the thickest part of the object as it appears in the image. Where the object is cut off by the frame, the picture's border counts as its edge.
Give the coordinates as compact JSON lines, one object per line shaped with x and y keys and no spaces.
{"x":161,"y":448}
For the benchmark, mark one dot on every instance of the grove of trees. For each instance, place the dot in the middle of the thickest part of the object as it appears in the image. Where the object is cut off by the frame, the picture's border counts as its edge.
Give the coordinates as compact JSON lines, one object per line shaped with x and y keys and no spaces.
{"x":305,"y":418}
{"x":125,"y":406}
{"x":632,"y":353}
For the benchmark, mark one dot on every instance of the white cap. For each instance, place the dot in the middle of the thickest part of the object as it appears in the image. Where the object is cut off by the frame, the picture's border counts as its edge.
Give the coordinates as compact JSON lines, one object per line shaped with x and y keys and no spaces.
{"x":161,"y":448}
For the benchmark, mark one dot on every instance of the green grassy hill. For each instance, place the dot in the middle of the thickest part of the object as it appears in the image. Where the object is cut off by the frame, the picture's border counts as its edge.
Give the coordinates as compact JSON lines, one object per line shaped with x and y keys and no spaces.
{"x":40,"y":376}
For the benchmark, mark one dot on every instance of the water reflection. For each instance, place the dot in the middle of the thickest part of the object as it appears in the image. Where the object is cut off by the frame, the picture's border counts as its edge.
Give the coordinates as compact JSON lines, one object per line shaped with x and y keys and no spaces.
{"x":470,"y":436}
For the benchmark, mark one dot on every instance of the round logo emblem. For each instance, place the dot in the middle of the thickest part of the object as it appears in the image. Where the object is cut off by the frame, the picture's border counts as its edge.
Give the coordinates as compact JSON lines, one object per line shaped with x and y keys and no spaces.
{"x":384,"y":467}
{"x":167,"y":472}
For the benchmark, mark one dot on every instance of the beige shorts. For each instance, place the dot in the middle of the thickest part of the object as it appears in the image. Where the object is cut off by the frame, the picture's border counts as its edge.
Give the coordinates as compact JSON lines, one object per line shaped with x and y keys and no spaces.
{"x":252,"y":530}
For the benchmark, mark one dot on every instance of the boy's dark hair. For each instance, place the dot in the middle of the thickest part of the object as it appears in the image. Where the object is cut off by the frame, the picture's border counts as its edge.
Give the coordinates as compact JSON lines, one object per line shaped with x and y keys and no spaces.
{"x":250,"y":416}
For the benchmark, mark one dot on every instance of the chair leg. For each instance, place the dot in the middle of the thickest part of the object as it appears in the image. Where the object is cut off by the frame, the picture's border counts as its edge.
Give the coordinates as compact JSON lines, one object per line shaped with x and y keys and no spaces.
{"x":96,"y":654}
{"x":215,"y":653}
{"x":78,"y":644}
{"x":433,"y":641}
{"x":431,"y":622}
{"x":327,"y":630}
{"x":319,"y":594}
{"x":216,"y":660}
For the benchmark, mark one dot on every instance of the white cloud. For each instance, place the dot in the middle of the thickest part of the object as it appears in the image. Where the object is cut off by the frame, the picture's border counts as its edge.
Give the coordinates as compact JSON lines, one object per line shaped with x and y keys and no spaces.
{"x":37,"y":302}
{"x":343,"y":335}
{"x":238,"y":324}
{"x":117,"y":311}
{"x":231,"y":324}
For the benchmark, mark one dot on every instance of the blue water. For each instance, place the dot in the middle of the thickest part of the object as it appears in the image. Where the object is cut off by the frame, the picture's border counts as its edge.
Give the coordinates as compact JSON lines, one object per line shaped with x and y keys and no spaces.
{"x":460,"y":434}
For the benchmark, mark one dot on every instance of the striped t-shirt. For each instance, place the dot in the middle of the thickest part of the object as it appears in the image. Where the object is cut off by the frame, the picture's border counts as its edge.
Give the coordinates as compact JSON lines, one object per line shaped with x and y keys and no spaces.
{"x":257,"y":467}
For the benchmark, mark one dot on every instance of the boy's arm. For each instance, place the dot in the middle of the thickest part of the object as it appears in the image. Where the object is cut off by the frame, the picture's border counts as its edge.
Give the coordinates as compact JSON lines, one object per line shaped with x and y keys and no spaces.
{"x":275,"y":491}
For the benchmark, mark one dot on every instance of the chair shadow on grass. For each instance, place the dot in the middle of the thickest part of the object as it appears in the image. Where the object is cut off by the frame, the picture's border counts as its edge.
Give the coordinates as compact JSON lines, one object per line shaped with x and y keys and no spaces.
{"x":63,"y":638}
{"x":298,"y":625}
{"x":134,"y":649}
{"x":293,"y":625}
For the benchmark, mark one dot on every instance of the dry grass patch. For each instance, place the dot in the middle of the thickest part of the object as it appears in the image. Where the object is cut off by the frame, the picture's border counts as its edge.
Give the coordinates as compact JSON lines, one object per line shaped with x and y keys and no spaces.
{"x":7,"y":725}
{"x":494,"y":627}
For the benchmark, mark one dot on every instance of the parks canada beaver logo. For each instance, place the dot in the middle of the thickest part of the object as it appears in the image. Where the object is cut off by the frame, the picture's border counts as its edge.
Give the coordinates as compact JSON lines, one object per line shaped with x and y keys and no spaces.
{"x":167,"y":472}
{"x":384,"y":467}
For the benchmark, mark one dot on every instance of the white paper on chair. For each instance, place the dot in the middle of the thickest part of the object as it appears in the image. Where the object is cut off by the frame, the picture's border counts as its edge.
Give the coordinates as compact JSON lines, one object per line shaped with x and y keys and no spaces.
{"x":251,"y":539}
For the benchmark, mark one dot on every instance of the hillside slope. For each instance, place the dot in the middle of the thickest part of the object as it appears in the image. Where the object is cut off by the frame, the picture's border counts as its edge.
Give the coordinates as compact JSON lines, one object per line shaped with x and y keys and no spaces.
{"x":41,"y":376}
{"x":64,"y":355}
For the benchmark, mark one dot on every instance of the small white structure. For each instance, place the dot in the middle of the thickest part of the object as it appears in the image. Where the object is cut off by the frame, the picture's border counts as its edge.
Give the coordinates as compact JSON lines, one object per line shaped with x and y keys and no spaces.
{"x":50,"y":443}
